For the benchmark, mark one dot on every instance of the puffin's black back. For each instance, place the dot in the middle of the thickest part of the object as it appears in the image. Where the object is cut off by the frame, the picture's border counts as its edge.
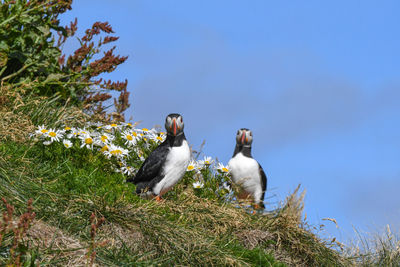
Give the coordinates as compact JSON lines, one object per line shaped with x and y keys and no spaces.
{"x":151,"y":171}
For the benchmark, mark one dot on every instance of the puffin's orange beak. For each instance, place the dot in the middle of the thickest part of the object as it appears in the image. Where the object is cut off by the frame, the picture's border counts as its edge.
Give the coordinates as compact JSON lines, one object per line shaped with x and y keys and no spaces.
{"x":174,"y":126}
{"x":243,"y":136}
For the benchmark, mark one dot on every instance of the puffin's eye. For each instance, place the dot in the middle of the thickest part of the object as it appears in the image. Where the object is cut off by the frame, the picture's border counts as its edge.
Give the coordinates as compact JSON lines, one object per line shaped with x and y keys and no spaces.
{"x":180,"y":118}
{"x":238,"y":132}
{"x":251,"y":134}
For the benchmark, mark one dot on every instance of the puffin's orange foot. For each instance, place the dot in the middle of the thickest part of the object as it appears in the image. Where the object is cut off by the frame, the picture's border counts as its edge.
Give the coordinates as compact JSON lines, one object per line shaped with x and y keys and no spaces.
{"x":257,"y":207}
{"x":158,"y":199}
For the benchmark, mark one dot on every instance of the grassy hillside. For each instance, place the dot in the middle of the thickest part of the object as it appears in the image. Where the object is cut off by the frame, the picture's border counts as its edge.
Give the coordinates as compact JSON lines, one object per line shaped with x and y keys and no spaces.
{"x":86,"y":214}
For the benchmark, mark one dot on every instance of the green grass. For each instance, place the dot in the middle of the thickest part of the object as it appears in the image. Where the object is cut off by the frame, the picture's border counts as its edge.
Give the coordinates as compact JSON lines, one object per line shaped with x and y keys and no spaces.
{"x":67,"y":186}
{"x":190,"y":228}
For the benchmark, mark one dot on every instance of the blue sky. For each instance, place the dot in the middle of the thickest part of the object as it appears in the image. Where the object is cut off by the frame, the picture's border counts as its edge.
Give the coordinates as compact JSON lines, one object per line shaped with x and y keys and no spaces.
{"x":317,"y":82}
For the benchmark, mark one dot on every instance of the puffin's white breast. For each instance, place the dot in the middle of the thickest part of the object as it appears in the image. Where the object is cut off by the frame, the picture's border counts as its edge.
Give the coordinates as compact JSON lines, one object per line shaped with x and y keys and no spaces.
{"x":175,"y":167}
{"x":245,"y":172}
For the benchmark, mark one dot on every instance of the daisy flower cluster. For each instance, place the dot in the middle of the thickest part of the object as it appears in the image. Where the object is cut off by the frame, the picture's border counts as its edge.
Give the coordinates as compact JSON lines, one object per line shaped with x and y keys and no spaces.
{"x":122,"y":143}
{"x":211,"y":175}
{"x":126,"y":147}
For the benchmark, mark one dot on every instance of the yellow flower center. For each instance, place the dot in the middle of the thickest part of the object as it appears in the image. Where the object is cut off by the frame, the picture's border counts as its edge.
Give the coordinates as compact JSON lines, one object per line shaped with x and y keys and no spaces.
{"x":66,"y":145}
{"x":113,"y":125}
{"x":145,"y":130}
{"x":52,"y":134}
{"x":159,"y":138}
{"x":145,"y":139}
{"x":129,"y":137}
{"x":44,"y":131}
{"x":207,"y":162}
{"x":129,"y":124}
{"x":190,"y":168}
{"x":89,"y":141}
{"x":67,"y":128}
{"x":104,"y":138}
{"x":116,"y":152}
{"x":104,"y":148}
{"x":134,"y":134}
{"x":225,"y":169}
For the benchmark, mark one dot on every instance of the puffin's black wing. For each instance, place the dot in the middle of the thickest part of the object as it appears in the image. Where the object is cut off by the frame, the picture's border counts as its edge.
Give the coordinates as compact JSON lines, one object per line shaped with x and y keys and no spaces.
{"x":152,"y":166}
{"x":263,"y":183}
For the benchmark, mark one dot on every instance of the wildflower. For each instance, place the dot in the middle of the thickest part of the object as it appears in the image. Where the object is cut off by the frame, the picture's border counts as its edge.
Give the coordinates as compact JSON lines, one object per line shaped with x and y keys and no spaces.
{"x":116,"y":151}
{"x":66,"y":128}
{"x":104,"y":148}
{"x":55,"y":135}
{"x":67,"y":143}
{"x":130,"y":139}
{"x":160,"y":137}
{"x":104,"y":139}
{"x":222,"y":169}
{"x":87,"y":141}
{"x":46,"y":143}
{"x":41,"y":130}
{"x":191,"y":166}
{"x":73,"y":133}
{"x":112,"y":126}
{"x":198,"y":185}
{"x":127,"y":124}
{"x":128,"y":170}
{"x":207,"y":161}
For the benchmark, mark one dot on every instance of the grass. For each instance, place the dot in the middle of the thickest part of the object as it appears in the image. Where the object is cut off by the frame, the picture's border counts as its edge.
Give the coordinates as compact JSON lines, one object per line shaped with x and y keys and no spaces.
{"x":183,"y":230}
{"x":69,"y":187}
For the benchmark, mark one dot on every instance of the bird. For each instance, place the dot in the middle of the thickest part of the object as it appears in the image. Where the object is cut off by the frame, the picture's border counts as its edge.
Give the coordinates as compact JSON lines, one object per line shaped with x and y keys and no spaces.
{"x":165,"y":165}
{"x":246,"y":172}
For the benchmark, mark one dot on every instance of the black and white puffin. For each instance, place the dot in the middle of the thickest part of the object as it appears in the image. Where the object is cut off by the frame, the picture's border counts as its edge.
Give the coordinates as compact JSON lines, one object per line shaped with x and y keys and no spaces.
{"x":165,"y":165}
{"x":246,"y":171}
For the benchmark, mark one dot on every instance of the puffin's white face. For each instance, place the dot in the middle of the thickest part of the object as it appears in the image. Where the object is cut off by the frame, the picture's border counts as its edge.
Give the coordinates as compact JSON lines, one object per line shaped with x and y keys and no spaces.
{"x":244,"y":137}
{"x":174,"y":124}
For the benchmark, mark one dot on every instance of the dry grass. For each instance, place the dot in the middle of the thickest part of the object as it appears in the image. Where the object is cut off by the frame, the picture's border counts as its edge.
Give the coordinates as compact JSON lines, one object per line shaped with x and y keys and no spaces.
{"x":20,"y":113}
{"x":375,"y":249}
{"x":63,"y":247}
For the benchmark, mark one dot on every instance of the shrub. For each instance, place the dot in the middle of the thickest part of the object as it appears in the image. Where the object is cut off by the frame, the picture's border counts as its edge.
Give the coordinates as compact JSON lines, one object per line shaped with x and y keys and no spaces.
{"x":30,"y":54}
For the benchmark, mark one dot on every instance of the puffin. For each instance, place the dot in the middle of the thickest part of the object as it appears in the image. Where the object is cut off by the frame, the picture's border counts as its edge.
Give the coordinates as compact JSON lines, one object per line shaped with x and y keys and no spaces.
{"x":246,"y":172}
{"x":166,"y":165}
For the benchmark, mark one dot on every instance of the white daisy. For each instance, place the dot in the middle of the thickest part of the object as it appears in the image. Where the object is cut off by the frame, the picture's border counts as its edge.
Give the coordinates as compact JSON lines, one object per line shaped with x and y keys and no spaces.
{"x":159,"y":138}
{"x":222,"y":169}
{"x":112,"y":126}
{"x":130,"y":139}
{"x":67,"y":143}
{"x":198,"y":185}
{"x":103,"y":139}
{"x":207,"y":161}
{"x":87,"y":140}
{"x":116,"y":151}
{"x":192,"y":166}
{"x":41,"y":130}
{"x":73,"y":133}
{"x":55,"y":135}
{"x":128,"y":170}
